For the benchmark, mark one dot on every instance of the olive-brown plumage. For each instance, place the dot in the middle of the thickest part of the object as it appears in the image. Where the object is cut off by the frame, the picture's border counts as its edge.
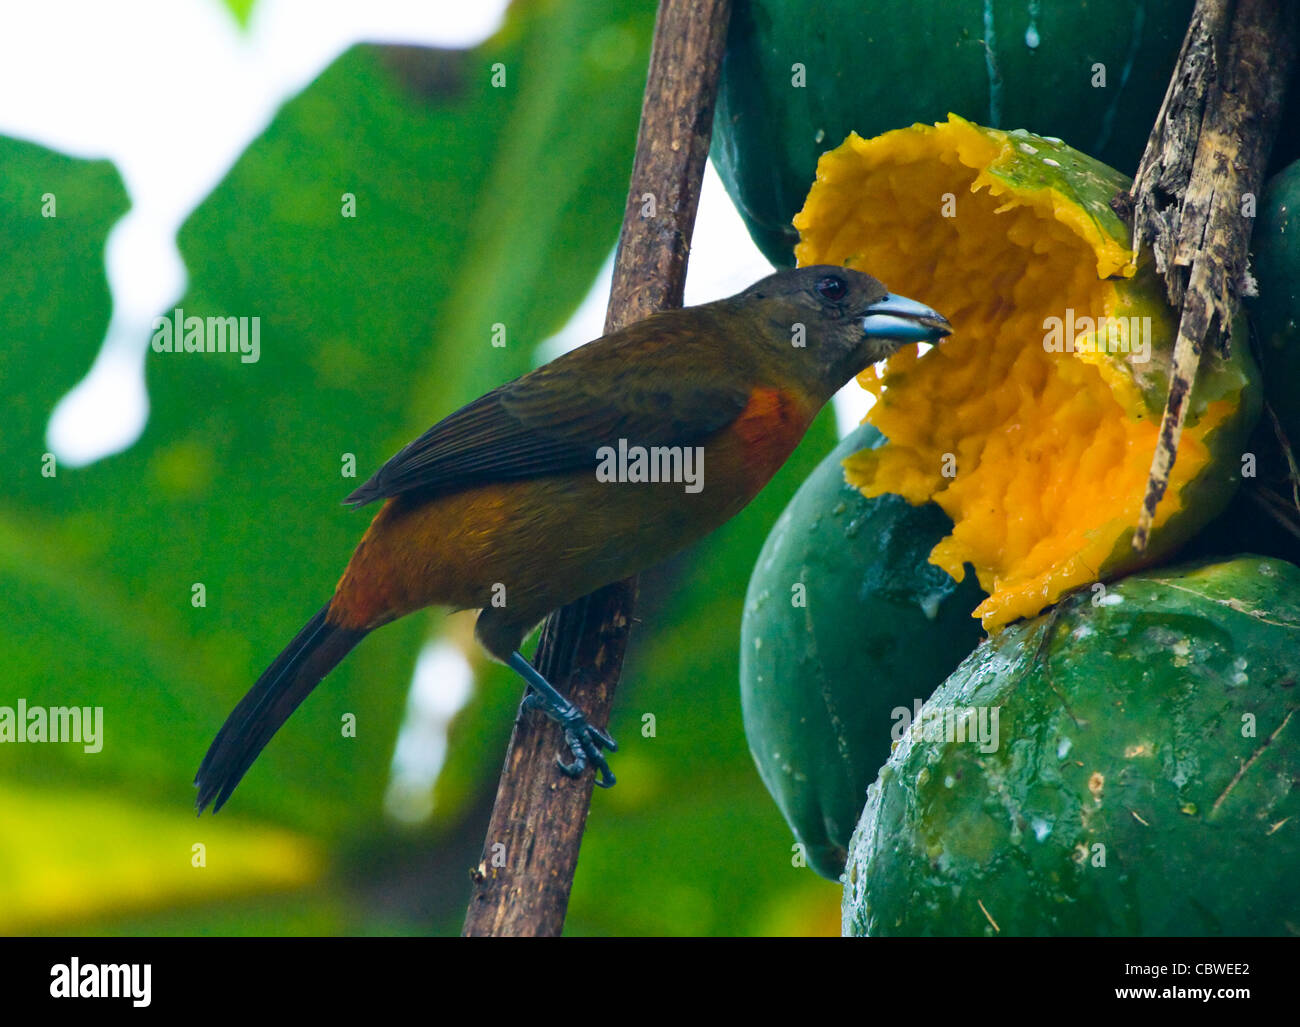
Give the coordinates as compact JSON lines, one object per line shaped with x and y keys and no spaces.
{"x":499,"y":506}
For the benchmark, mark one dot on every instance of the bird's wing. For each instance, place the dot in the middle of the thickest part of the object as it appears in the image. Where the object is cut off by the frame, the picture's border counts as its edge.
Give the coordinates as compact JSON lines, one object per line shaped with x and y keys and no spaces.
{"x":554,"y":419}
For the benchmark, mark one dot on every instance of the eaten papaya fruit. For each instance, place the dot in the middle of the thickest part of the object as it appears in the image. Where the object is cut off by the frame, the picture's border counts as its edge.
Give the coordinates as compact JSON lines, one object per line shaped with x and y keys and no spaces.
{"x":1034,"y":424}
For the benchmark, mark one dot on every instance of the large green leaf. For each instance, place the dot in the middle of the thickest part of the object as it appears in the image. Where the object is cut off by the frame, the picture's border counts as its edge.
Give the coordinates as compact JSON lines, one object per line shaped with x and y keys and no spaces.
{"x":89,"y":854}
{"x":241,"y":10}
{"x":475,"y":206}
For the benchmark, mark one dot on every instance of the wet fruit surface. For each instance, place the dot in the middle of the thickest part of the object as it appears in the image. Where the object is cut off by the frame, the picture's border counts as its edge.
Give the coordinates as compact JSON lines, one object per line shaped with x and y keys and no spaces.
{"x":844,"y":623}
{"x":1140,"y":777}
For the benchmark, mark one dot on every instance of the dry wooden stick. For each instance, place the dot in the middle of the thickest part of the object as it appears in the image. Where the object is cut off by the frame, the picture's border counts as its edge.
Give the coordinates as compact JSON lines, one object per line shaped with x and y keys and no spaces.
{"x":1208,"y":150}
{"x":522,"y":883}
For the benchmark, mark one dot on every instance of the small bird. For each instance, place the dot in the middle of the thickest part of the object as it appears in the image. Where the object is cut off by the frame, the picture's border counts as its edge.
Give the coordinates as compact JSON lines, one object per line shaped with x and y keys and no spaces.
{"x":583,"y":472}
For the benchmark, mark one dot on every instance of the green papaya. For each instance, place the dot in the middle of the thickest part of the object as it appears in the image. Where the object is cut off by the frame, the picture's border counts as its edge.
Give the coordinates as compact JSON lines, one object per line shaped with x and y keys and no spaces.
{"x":798,"y":77}
{"x":1126,"y":764}
{"x":1275,"y":313}
{"x":845,"y":622}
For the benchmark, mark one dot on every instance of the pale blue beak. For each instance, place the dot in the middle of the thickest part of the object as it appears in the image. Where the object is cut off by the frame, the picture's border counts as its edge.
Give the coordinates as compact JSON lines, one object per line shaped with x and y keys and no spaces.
{"x":904,"y":320}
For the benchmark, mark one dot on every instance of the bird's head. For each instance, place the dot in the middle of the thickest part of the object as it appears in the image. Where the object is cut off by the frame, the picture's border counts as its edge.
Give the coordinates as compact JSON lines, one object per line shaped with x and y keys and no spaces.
{"x":834,"y":322}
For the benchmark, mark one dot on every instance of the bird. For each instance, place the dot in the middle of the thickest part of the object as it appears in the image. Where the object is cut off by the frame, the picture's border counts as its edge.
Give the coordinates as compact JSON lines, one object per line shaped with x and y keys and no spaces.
{"x":582,"y":472}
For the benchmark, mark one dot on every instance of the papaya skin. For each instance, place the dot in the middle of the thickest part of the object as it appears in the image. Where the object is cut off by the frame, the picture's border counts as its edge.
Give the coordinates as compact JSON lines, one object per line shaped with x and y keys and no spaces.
{"x":845,"y":623}
{"x":794,"y":83}
{"x":1114,"y":802}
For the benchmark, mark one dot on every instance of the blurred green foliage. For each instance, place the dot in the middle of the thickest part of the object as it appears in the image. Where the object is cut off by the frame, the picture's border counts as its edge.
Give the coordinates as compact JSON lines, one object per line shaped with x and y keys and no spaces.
{"x":241,"y":9}
{"x":475,"y":206}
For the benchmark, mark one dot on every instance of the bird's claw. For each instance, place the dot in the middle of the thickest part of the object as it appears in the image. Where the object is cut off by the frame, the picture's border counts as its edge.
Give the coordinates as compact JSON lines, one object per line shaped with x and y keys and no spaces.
{"x":584,"y":740}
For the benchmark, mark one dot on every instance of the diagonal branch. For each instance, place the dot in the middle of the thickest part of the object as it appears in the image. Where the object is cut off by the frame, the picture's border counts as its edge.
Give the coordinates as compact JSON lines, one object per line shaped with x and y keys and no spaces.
{"x":1207,"y":153}
{"x":521,"y":886}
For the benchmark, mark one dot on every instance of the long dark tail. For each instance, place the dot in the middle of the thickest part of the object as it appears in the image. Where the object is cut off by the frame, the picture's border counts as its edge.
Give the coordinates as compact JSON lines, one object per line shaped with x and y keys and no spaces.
{"x":313,"y":653}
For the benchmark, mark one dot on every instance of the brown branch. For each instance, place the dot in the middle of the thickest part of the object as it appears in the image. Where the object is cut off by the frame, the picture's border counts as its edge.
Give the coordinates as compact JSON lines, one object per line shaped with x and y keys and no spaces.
{"x":1209,"y":148}
{"x":521,"y":886}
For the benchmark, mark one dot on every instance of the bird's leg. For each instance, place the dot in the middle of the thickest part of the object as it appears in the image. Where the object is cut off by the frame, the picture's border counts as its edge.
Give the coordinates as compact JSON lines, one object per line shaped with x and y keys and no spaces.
{"x":584,"y":740}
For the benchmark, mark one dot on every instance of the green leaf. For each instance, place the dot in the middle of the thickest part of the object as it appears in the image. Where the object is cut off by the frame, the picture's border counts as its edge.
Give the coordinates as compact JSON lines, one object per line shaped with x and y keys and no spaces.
{"x":241,"y":9}
{"x":475,"y":206}
{"x":69,"y":855}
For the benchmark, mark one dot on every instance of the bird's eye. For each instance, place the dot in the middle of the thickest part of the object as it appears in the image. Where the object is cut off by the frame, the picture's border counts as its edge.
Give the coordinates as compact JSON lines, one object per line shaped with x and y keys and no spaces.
{"x":831,"y":287}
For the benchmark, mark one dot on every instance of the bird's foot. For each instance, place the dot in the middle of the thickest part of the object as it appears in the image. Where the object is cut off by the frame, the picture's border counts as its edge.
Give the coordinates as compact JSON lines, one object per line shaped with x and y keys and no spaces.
{"x":584,"y":739}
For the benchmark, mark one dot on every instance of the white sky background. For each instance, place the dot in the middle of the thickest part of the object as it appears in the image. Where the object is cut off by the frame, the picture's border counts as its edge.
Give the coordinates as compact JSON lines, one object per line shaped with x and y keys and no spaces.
{"x":172,"y":91}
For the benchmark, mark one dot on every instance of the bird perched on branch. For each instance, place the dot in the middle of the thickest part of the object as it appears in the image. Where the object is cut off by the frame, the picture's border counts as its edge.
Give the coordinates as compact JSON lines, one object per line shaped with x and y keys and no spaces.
{"x":580,"y":473}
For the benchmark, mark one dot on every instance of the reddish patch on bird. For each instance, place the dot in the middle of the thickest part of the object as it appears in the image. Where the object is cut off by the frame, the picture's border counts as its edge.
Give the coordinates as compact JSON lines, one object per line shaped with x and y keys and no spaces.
{"x":769,"y":428}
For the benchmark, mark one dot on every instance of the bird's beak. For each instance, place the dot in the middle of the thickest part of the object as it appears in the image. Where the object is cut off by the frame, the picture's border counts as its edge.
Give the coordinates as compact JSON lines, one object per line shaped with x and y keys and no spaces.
{"x":904,"y":320}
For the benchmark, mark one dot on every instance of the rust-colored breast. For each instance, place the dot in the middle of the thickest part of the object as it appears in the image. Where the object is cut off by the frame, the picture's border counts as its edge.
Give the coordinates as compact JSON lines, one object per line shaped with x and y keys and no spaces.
{"x":768,"y":429}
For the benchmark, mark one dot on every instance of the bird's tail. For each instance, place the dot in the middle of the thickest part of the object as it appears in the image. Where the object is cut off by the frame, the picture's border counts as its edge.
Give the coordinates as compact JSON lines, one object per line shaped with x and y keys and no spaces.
{"x":313,"y":653}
